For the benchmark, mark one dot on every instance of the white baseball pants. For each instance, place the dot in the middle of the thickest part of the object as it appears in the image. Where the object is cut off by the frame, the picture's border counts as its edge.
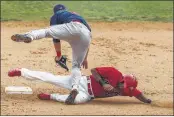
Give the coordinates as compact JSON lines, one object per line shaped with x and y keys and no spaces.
{"x":60,"y":81}
{"x":77,"y":35}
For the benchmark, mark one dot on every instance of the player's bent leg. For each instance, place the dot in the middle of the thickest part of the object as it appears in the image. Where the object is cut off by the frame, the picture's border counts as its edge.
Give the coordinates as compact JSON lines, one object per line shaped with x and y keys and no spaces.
{"x":79,"y":51}
{"x":80,"y":98}
{"x":58,"y":97}
{"x":39,"y":34}
{"x":61,"y":81}
{"x":79,"y":45}
{"x":63,"y":32}
{"x":76,"y":76}
{"x":32,"y":35}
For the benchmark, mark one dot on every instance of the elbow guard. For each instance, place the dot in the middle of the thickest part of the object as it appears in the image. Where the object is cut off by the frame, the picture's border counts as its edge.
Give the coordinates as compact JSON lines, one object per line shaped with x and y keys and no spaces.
{"x":56,"y":40}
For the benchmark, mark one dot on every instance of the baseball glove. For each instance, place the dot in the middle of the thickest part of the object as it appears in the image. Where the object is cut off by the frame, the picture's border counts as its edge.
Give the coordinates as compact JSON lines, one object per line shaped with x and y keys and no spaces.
{"x":62,"y":62}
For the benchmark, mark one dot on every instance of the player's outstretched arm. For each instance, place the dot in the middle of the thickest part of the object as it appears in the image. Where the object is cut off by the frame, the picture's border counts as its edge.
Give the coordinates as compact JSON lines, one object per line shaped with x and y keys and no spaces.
{"x":57,"y":46}
{"x":142,"y":98}
{"x":59,"y":59}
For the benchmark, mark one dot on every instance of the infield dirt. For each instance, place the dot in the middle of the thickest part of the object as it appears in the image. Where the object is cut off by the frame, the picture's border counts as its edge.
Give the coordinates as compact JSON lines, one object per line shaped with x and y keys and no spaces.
{"x":142,"y":48}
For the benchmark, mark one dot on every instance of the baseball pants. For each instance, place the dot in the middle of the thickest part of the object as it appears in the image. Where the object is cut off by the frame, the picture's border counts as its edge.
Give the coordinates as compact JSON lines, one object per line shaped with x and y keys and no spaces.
{"x":77,"y":35}
{"x":60,"y":81}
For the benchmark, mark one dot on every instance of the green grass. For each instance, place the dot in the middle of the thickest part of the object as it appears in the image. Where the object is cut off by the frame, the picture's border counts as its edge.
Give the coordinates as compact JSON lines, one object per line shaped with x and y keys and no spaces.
{"x":91,"y":10}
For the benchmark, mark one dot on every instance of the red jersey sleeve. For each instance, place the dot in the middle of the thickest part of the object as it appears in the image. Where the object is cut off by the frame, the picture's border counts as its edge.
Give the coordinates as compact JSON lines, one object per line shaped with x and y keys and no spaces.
{"x":136,"y":92}
{"x":128,"y":92}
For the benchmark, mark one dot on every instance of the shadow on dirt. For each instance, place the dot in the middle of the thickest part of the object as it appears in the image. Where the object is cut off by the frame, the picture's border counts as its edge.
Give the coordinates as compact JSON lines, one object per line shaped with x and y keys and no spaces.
{"x":114,"y":102}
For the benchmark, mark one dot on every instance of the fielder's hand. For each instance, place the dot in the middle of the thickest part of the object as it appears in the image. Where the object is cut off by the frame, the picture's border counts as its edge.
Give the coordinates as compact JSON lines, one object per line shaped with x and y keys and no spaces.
{"x":149,"y":101}
{"x":85,"y":64}
{"x":62,"y":62}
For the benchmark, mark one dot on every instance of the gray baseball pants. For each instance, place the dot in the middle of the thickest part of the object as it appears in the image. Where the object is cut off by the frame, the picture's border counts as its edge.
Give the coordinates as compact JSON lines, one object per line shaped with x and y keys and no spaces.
{"x":77,"y":35}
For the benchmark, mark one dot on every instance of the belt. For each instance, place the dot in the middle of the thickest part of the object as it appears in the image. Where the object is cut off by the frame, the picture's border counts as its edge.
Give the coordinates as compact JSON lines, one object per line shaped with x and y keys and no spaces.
{"x":80,"y":22}
{"x":90,"y":87}
{"x":76,"y":21}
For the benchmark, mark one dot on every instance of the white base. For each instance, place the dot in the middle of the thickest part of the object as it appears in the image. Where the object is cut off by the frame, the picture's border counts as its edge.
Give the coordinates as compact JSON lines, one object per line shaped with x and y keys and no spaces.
{"x":18,"y":90}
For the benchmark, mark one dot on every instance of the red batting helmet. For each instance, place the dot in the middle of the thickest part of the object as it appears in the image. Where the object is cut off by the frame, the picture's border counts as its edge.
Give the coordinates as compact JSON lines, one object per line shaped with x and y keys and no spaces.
{"x":130,"y":81}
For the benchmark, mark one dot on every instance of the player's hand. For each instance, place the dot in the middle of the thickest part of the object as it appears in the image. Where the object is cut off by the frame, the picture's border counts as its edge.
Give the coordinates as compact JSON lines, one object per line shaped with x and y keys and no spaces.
{"x":149,"y":101}
{"x":85,"y":64}
{"x":108,"y":87}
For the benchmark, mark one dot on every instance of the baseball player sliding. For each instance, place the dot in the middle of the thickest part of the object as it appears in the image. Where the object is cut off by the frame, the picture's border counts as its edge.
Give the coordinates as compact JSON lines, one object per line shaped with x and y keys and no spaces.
{"x":103,"y":82}
{"x":72,"y":28}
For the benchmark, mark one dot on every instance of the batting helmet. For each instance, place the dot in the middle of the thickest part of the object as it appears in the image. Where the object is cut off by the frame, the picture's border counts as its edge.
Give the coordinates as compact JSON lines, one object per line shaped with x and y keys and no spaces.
{"x":59,"y":7}
{"x":130,"y":83}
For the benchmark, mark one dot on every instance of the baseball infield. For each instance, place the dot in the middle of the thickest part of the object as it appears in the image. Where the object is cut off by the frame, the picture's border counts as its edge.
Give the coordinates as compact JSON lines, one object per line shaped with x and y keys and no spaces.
{"x":142,"y":48}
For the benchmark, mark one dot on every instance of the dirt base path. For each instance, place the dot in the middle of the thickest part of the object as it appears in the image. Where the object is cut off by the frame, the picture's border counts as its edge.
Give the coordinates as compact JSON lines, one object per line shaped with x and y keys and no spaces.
{"x":145,"y":49}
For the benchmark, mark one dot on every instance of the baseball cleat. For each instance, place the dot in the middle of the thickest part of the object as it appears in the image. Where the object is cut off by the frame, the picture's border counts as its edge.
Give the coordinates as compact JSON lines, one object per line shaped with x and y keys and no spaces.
{"x":71,"y":97}
{"x":21,"y":38}
{"x":14,"y":72}
{"x":44,"y":96}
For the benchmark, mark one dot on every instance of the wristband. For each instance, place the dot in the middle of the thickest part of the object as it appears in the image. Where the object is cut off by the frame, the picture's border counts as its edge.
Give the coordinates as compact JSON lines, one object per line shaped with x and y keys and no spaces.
{"x":58,"y":53}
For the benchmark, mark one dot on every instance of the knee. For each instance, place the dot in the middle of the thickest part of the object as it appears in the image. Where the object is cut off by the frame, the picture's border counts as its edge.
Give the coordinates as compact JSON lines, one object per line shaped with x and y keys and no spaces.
{"x":76,"y":65}
{"x":81,"y":98}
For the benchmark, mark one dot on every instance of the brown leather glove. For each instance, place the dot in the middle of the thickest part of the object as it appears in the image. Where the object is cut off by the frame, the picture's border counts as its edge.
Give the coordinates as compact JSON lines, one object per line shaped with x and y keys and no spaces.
{"x":62,"y":62}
